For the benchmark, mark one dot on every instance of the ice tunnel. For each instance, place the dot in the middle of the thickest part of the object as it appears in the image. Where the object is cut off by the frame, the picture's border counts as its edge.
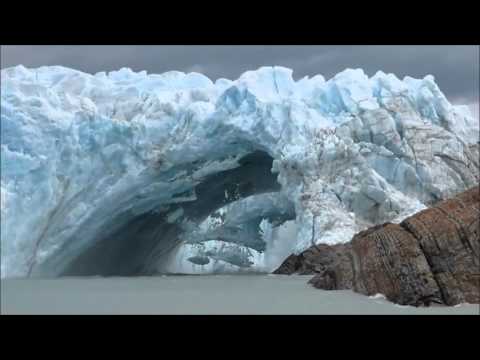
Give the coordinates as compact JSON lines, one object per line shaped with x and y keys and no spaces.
{"x":137,"y":243}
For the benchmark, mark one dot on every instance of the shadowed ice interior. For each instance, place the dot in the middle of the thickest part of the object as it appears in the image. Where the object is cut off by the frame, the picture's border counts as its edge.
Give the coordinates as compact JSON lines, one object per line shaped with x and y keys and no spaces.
{"x":143,"y":244}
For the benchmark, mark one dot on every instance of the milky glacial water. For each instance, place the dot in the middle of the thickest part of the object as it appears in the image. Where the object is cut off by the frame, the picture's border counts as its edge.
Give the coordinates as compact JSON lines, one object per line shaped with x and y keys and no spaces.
{"x":195,"y":294}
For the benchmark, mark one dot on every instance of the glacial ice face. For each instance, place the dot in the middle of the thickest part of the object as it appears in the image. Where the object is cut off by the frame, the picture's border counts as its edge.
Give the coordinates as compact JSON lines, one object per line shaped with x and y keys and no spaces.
{"x":125,"y":173}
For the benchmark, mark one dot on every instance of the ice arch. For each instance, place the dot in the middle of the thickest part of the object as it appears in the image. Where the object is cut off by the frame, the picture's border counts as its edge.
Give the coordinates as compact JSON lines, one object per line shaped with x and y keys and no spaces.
{"x":141,"y":240}
{"x":90,"y":161}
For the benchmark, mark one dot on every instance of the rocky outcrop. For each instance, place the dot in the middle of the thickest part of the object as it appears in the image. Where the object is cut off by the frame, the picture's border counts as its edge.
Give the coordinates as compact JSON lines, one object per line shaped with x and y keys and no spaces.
{"x":432,"y":256}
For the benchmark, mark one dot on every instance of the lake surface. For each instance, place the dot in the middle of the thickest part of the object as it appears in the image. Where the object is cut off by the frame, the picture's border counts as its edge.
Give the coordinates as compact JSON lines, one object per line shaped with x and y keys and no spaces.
{"x":193,"y":294}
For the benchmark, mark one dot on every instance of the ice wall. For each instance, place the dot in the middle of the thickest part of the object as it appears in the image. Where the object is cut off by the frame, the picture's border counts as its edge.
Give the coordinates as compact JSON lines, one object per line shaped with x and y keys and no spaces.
{"x":87,"y":158}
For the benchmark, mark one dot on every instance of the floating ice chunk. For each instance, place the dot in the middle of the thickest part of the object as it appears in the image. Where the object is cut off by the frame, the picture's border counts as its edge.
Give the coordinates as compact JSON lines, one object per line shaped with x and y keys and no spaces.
{"x":378,"y":296}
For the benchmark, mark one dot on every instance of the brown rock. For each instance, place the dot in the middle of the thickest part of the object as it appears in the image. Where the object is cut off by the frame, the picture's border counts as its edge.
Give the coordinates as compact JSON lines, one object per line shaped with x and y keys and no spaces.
{"x":432,"y":256}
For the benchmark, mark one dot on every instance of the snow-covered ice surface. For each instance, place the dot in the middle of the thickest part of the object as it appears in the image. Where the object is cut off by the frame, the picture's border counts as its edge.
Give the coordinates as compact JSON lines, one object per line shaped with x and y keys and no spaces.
{"x":177,"y":173}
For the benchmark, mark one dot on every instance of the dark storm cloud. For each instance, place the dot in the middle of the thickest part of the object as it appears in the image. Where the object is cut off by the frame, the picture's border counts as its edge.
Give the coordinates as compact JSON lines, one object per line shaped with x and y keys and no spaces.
{"x":456,"y":68}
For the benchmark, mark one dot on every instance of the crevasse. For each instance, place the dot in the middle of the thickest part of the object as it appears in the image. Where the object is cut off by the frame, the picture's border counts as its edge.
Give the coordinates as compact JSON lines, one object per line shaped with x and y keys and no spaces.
{"x":132,"y":173}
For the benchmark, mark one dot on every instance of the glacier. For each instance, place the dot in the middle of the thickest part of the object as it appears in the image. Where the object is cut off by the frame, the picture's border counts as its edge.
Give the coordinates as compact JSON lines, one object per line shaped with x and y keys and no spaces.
{"x":129,"y":173}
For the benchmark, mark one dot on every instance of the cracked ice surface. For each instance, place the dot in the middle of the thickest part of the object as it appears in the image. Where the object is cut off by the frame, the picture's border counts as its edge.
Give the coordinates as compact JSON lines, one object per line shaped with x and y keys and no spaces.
{"x":83,"y":155}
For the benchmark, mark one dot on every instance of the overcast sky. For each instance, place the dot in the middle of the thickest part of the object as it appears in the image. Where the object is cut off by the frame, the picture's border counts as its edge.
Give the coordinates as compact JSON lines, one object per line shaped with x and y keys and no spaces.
{"x":456,"y":68}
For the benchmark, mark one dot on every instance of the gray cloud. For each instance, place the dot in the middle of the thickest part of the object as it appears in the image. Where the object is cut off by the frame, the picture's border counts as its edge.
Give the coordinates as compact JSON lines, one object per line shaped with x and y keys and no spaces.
{"x":456,"y":68}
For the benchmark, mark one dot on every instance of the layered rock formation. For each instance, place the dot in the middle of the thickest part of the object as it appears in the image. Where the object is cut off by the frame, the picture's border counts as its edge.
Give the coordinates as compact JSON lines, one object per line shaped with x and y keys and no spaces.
{"x":432,"y":256}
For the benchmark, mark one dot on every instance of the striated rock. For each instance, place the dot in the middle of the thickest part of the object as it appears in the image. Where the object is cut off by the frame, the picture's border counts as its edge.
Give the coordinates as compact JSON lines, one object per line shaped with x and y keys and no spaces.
{"x":432,"y":256}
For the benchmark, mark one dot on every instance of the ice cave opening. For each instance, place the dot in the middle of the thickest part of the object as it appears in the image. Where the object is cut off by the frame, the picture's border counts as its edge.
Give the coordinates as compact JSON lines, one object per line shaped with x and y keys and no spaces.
{"x":236,"y":208}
